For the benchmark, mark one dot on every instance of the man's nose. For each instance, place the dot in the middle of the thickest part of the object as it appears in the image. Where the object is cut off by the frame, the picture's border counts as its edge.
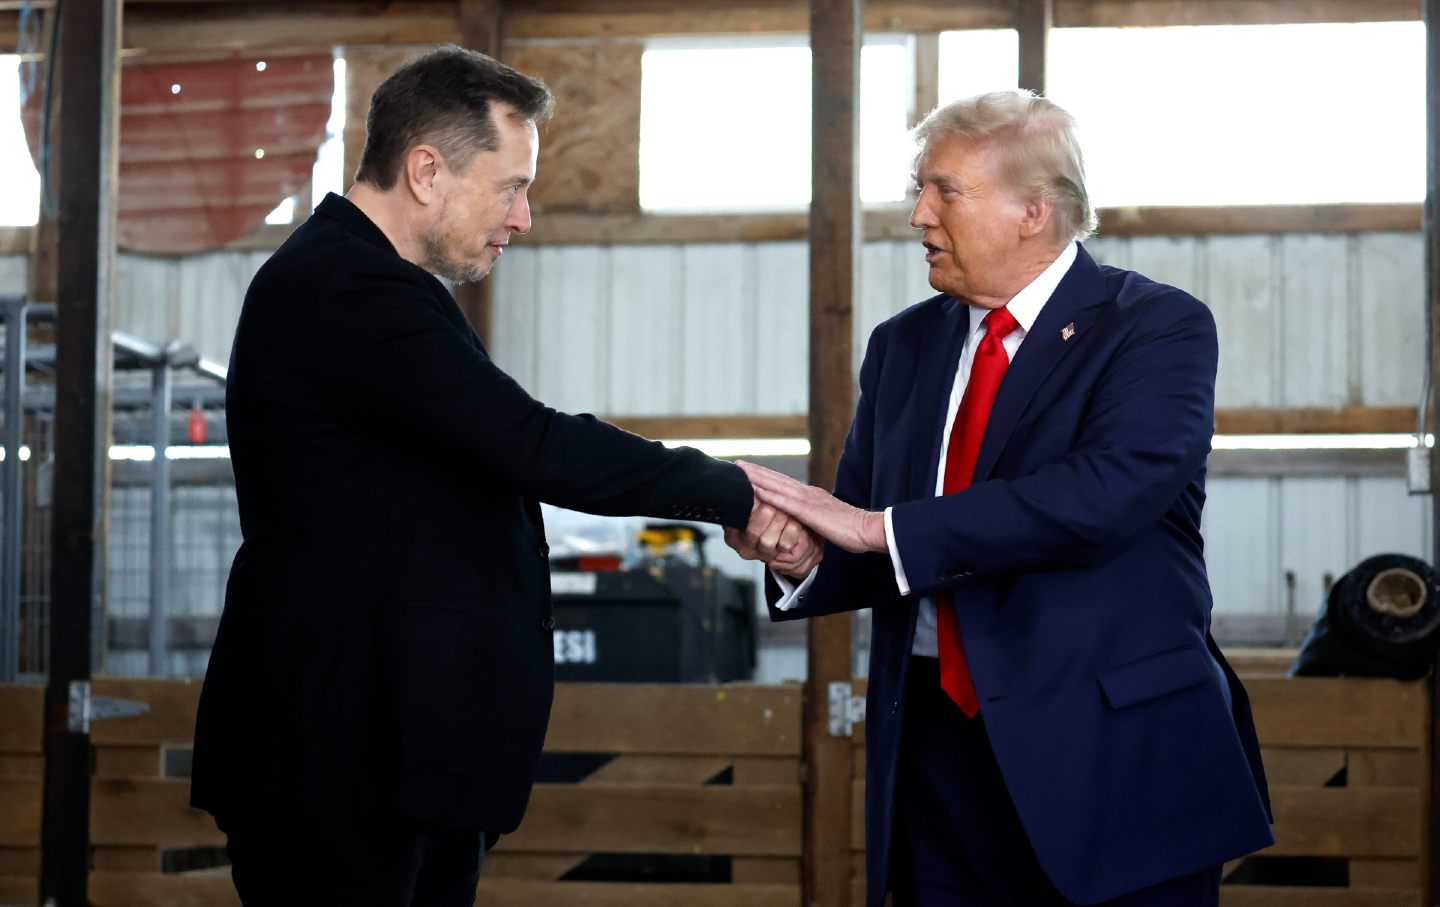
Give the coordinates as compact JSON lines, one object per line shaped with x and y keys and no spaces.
{"x":519,"y":219}
{"x":921,"y":216}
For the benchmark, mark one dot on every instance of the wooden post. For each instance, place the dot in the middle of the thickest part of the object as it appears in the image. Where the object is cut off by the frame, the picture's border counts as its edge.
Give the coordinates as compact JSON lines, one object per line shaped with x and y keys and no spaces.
{"x":89,"y":73}
{"x":927,"y":76}
{"x":1431,"y":13}
{"x":1033,"y":19}
{"x":836,"y":32}
{"x":480,"y":22}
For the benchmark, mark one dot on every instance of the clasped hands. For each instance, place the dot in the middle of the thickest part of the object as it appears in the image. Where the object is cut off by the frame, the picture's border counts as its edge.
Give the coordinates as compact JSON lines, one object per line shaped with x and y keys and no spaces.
{"x":790,"y":520}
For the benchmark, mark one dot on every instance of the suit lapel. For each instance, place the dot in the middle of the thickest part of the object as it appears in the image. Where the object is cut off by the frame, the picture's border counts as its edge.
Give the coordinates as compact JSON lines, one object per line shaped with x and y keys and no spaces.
{"x":939,"y":356}
{"x":1073,"y":302}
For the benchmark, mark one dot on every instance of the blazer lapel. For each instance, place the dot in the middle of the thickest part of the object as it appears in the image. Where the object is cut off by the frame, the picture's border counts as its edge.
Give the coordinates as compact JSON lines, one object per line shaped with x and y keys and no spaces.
{"x":939,"y":353}
{"x":1073,"y":303}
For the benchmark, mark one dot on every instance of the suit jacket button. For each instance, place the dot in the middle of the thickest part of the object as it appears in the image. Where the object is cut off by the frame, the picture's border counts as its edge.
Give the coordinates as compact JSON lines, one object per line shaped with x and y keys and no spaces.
{"x":895,"y":707}
{"x":548,"y":623}
{"x":543,"y":550}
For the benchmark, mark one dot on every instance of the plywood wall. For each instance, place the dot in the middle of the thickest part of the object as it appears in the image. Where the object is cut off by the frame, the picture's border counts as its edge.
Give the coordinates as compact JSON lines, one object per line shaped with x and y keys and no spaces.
{"x":590,"y":151}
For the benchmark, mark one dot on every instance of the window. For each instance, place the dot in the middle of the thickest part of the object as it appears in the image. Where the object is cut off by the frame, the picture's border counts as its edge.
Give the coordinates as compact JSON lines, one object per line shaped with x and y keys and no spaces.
{"x":974,"y":62}
{"x":1254,"y":114}
{"x":726,"y":126}
{"x":20,"y":200}
{"x":1228,"y":115}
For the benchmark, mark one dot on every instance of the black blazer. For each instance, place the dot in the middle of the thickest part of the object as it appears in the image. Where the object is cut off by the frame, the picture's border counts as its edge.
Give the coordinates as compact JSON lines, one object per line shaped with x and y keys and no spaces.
{"x":386,"y":646}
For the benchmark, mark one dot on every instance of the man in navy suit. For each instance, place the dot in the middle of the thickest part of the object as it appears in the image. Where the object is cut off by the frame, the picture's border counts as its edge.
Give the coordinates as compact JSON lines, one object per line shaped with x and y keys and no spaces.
{"x":1019,"y":498}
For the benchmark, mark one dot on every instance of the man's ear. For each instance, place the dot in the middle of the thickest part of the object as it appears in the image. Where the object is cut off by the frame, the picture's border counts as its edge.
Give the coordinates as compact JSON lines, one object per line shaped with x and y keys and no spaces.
{"x":422,"y":164}
{"x":1038,"y":216}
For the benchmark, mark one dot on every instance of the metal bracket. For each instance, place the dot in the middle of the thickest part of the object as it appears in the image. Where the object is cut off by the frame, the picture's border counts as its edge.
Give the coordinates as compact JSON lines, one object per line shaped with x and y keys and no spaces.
{"x":85,"y":708}
{"x":846,"y":709}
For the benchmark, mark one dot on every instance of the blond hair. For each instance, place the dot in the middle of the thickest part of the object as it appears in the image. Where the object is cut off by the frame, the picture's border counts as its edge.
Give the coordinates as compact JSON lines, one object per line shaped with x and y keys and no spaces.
{"x":1036,"y":138}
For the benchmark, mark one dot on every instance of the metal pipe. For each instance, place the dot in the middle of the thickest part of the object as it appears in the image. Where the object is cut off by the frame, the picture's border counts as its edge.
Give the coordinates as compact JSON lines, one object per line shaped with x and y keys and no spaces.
{"x":10,"y":490}
{"x":160,"y":535}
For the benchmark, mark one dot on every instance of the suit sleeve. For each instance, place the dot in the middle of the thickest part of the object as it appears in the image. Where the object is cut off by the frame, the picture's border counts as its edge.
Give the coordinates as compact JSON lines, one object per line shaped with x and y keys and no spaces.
{"x":846,"y":581}
{"x":405,"y":368}
{"x":1145,"y":435}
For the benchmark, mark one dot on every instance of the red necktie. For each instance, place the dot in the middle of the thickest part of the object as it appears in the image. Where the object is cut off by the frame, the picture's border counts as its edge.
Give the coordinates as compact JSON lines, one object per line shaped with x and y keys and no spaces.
{"x":985,"y":377}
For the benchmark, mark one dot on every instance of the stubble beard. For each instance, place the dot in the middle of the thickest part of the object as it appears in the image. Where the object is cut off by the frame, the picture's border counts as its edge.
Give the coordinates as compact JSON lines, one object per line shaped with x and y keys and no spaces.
{"x":438,"y":262}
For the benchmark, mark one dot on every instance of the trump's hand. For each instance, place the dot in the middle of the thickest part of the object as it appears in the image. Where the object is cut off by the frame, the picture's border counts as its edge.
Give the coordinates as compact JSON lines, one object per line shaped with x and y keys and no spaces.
{"x":851,"y":528}
{"x":777,"y":540}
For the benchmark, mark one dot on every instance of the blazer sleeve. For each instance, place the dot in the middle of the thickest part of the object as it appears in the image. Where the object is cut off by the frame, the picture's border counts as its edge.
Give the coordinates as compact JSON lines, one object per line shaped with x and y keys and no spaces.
{"x":846,"y":581}
{"x":1145,"y":435}
{"x":402,"y":366}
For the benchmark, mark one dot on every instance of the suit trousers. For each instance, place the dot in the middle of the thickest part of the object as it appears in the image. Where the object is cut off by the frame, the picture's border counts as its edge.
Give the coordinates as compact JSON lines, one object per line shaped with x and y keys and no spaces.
{"x":958,"y":839}
{"x":290,"y":862}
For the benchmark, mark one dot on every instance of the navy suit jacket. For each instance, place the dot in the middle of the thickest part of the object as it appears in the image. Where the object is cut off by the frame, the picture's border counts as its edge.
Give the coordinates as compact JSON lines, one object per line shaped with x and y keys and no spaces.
{"x":1076,"y":565}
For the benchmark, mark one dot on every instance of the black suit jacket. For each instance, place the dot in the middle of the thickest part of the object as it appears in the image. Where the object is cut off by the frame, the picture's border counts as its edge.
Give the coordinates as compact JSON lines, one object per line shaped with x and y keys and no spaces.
{"x":386,"y":645}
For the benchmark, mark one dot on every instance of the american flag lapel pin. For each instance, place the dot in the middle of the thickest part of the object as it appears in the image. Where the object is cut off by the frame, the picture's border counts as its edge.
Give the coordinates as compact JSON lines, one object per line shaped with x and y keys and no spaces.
{"x":1067,"y":331}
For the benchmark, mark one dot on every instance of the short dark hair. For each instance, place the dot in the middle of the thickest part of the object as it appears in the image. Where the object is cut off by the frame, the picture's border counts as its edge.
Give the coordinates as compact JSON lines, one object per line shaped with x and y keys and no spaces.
{"x":444,"y":98}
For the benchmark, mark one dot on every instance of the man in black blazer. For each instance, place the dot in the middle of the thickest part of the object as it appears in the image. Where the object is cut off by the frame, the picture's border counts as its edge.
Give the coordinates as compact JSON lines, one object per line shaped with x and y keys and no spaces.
{"x":382,"y":676}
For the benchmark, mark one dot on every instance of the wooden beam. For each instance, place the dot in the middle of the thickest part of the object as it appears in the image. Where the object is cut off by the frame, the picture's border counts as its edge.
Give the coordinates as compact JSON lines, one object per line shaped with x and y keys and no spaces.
{"x":1432,"y":316}
{"x":1159,"y":13}
{"x":926,"y":63}
{"x":190,"y":24}
{"x":1316,"y":420}
{"x":89,"y":86}
{"x":1033,"y":20}
{"x":836,"y":35}
{"x":480,"y":29}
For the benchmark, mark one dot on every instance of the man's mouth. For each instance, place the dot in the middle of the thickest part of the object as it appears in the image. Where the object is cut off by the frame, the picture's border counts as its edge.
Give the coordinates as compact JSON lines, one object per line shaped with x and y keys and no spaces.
{"x":932,"y":252}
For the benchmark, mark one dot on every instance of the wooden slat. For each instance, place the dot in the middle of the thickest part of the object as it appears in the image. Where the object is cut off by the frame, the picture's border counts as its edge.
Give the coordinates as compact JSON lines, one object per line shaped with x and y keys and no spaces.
{"x":129,"y":858}
{"x":1350,"y":711}
{"x":157,"y":811}
{"x":738,"y":719}
{"x":766,"y":770}
{"x":1386,"y":768}
{"x":144,"y":889}
{"x":765,"y":870}
{"x":1277,"y":896}
{"x":1256,"y":662}
{"x":536,"y":867}
{"x":22,"y":708}
{"x":127,"y":762}
{"x":20,"y":861}
{"x":22,"y":765}
{"x":640,"y":769}
{"x":171,"y":718}
{"x":1301,"y":767}
{"x":713,"y":426}
{"x":745,"y":821}
{"x":1346,"y":822}
{"x":19,"y":812}
{"x":515,"y":893}
{"x":1386,"y":874}
{"x":1349,"y":419}
{"x":19,"y":890}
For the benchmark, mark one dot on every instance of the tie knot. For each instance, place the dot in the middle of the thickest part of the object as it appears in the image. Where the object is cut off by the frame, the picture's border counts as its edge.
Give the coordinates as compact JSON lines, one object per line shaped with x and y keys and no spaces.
{"x":999,"y":323}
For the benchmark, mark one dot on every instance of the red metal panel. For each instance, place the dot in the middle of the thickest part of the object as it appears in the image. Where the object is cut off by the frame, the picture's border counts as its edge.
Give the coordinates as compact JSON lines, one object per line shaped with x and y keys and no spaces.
{"x":209,"y":145}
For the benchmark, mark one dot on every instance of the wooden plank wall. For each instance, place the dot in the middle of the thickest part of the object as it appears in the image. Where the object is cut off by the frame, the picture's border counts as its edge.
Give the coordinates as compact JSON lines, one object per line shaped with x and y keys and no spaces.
{"x":1347,"y":760}
{"x":692,"y":770}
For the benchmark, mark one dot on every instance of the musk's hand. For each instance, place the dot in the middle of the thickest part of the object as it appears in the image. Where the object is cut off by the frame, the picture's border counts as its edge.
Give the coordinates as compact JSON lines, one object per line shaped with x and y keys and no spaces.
{"x":849,"y":527}
{"x":777,"y":540}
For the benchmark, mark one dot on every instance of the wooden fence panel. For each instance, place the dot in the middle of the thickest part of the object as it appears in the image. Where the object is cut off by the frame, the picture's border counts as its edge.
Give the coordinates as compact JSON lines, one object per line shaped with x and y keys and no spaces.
{"x":666,"y":772}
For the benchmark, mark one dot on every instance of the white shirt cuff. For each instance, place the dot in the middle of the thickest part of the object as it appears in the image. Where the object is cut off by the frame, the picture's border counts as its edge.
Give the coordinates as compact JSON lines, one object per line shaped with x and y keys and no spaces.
{"x":900,"y":581}
{"x":793,"y":595}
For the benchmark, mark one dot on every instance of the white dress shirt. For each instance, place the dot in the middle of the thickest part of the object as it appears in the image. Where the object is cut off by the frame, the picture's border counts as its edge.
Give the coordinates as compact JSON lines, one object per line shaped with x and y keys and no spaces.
{"x":1025,"y":306}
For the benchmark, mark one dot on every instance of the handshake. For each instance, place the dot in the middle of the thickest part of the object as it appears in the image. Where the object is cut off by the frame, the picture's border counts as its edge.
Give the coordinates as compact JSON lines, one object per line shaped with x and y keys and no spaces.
{"x":791,"y":522}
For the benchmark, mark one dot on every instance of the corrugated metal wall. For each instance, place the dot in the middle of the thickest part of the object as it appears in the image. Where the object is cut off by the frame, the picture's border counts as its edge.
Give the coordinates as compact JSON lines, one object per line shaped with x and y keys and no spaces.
{"x":1305,"y":320}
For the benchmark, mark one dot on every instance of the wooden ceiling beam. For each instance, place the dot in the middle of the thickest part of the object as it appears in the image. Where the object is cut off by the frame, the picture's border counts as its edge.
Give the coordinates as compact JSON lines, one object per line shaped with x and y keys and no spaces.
{"x":176,"y":25}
